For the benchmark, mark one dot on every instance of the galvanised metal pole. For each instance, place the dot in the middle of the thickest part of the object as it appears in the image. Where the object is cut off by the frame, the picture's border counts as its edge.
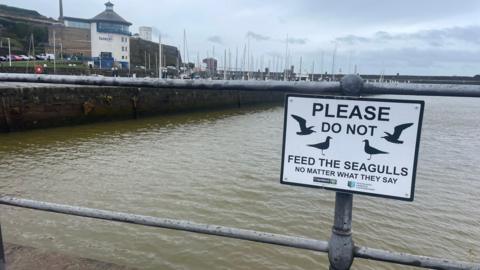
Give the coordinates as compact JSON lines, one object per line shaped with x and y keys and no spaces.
{"x":249,"y":235}
{"x":9,"y":54}
{"x":340,"y":246}
{"x":350,"y":85}
{"x":2,"y":252}
{"x":294,"y":87}
{"x":262,"y":237}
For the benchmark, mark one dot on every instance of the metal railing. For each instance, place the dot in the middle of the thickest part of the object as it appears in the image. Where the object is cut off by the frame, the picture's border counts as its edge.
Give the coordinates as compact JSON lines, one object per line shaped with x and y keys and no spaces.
{"x":349,"y":85}
{"x":341,"y":229}
{"x":340,"y":248}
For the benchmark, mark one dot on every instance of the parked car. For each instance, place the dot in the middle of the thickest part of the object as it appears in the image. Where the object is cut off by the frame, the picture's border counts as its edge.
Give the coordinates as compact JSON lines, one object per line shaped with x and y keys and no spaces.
{"x":30,"y":57}
{"x":3,"y":58}
{"x":24,"y":57}
{"x":41,"y":57}
{"x":14,"y":57}
{"x":50,"y":56}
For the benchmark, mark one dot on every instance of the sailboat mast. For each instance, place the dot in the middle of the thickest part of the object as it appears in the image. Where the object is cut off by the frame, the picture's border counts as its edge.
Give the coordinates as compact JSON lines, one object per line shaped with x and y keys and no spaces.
{"x":321,"y":65}
{"x":160,"y":64}
{"x":225,"y":65}
{"x":244,"y":61}
{"x":286,"y":56}
{"x":236,"y":62}
{"x":333,"y":61}
{"x":248,"y":57}
{"x":184,"y":50}
{"x":262,"y":69}
{"x":313,"y":70}
{"x":198,"y":62}
{"x":229,"y":64}
{"x":54,"y":55}
{"x":300,"y":70}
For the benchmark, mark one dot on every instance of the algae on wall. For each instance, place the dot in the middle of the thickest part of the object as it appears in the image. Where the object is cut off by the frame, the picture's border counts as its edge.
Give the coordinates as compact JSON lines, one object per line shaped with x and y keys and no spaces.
{"x":24,"y":108}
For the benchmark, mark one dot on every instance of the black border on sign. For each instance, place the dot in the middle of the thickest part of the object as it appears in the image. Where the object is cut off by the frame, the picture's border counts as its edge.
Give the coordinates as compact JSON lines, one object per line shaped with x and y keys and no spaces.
{"x":414,"y":173}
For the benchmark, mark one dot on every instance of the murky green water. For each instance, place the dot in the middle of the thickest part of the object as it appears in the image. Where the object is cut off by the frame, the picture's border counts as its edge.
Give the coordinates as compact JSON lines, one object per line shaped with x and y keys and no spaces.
{"x":223,"y":168}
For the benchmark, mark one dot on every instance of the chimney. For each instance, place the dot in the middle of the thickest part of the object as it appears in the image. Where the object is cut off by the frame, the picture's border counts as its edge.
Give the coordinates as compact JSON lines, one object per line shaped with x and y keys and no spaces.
{"x":61,"y":9}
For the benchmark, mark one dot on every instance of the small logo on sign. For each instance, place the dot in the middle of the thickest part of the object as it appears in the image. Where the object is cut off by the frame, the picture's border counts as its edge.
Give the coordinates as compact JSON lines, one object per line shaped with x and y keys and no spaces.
{"x":324,"y":180}
{"x":351,"y":184}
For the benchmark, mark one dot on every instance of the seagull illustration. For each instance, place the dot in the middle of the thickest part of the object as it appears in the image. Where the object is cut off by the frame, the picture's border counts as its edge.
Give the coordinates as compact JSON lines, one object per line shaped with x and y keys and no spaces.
{"x":304,"y":130}
{"x":394,"y":138}
{"x":323,"y":145}
{"x":371,"y":150}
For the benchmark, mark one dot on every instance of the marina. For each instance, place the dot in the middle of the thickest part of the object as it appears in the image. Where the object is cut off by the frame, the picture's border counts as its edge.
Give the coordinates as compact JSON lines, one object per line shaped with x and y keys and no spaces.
{"x":238,"y":135}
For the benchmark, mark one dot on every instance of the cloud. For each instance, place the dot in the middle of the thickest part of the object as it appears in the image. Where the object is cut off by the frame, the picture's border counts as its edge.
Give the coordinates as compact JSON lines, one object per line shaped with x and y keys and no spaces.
{"x":215,"y":39}
{"x":351,"y":40}
{"x":156,"y":32}
{"x":300,"y":41}
{"x":432,"y":37}
{"x":257,"y":37}
{"x":412,"y":61}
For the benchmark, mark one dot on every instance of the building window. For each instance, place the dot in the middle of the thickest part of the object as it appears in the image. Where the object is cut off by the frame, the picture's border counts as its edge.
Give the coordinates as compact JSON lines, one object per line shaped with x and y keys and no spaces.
{"x":77,"y":24}
{"x":126,"y":48}
{"x":123,"y":57}
{"x":108,"y":27}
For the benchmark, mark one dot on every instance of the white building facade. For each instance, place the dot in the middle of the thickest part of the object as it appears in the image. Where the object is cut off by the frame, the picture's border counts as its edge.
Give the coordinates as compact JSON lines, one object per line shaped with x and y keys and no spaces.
{"x":110,"y":36}
{"x":145,"y":32}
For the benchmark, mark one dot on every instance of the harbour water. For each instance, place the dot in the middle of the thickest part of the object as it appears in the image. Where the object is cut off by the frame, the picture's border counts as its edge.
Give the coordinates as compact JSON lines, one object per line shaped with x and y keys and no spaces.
{"x":223,"y":168}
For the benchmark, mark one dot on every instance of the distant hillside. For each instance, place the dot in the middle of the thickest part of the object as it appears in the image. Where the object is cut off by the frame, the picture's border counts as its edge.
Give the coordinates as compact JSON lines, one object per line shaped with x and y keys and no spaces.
{"x":19,"y":24}
{"x":20,"y":12}
{"x":145,"y":53}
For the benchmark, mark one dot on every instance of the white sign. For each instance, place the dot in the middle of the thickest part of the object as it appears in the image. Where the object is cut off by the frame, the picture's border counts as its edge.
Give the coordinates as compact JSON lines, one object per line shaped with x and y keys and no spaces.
{"x":106,"y":38}
{"x":366,"y":146}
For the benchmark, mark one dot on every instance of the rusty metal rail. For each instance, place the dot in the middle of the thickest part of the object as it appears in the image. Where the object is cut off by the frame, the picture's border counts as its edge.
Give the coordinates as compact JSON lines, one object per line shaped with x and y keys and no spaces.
{"x":349,"y":85}
{"x":249,"y":235}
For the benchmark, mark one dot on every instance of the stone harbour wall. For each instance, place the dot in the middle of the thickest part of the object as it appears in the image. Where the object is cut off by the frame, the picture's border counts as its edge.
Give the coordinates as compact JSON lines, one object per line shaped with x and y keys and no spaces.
{"x":28,"y":106}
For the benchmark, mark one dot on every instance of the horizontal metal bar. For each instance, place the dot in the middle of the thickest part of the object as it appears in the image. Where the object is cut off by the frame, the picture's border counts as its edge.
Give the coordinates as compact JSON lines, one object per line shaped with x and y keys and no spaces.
{"x":249,"y":235}
{"x":413,"y":260}
{"x":255,"y":236}
{"x":175,"y":83}
{"x":461,"y":90}
{"x":419,"y":89}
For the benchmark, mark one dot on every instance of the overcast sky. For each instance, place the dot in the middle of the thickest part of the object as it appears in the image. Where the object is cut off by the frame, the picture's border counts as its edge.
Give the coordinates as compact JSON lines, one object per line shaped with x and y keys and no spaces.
{"x":424,"y":37}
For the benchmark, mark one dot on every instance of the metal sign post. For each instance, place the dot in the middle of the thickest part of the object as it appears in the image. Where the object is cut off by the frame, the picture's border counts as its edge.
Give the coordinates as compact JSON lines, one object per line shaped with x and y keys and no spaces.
{"x":351,"y":145}
{"x":340,"y":246}
{"x":2,"y":252}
